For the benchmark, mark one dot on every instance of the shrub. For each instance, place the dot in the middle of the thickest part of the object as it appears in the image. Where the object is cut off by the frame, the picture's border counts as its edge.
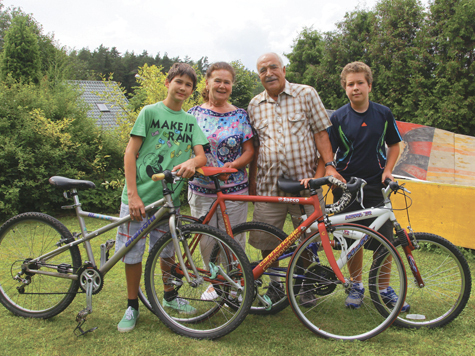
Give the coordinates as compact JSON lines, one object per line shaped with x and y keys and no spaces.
{"x":44,"y":131}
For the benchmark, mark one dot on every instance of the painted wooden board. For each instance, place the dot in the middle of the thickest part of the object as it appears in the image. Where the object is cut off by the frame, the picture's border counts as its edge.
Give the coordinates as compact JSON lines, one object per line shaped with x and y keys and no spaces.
{"x":436,"y":155}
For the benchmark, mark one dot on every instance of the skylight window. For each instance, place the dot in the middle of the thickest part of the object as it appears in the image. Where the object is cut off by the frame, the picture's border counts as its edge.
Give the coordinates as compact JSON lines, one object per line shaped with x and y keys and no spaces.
{"x":103,"y":107}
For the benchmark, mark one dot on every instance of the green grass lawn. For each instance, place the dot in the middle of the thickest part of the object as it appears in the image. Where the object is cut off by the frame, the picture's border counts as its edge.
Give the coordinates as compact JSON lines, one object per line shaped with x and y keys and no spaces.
{"x":280,"y":334}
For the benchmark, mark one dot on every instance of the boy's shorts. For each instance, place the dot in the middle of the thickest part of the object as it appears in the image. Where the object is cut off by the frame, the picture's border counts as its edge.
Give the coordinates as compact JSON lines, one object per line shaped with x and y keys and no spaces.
{"x":372,"y":197}
{"x":127,"y":230}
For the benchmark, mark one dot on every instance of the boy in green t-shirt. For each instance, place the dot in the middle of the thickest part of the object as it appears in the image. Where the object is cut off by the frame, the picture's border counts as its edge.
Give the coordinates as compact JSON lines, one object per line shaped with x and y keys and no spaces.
{"x":163,"y":137}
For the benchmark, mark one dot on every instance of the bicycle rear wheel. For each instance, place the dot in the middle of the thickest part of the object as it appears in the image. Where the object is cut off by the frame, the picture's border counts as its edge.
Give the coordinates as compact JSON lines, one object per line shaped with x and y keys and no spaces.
{"x":182,"y":308}
{"x":272,"y":282}
{"x":29,"y":294}
{"x":318,"y":298}
{"x":447,"y":278}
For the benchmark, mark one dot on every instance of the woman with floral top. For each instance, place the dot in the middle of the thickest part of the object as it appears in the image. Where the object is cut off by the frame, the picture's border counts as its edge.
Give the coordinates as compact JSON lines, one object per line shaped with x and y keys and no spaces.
{"x":230,"y":145}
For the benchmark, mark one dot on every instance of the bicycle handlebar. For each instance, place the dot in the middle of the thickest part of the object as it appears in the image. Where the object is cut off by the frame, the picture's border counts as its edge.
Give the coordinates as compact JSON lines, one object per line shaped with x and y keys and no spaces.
{"x":353,"y":186}
{"x":205,"y":171}
{"x":167,"y":175}
{"x":395,"y":186}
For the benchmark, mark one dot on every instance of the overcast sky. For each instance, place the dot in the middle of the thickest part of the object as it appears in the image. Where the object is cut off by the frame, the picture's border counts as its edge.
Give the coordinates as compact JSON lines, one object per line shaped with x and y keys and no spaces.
{"x":221,"y":30}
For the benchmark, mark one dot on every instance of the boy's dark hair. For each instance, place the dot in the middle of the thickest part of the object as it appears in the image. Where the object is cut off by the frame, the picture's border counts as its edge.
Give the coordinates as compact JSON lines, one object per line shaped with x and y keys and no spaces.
{"x":179,"y":69}
{"x":356,"y":67}
{"x":211,"y":69}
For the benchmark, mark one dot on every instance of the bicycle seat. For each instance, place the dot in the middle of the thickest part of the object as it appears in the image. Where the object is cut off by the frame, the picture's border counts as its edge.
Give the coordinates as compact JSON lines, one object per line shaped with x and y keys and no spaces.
{"x":68,"y":183}
{"x":293,"y":186}
{"x":211,"y":171}
{"x":289,"y":185}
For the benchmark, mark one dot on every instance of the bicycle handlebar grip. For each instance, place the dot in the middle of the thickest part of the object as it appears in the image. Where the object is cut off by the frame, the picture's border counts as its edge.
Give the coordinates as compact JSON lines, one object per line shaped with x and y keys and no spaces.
{"x":348,"y":188}
{"x":166,"y":175}
{"x":392,"y":184}
{"x":158,"y":176}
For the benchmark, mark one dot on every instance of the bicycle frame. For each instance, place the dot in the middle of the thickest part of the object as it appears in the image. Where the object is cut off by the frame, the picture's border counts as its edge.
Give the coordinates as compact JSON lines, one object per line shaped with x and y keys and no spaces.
{"x":317,"y":222}
{"x":166,"y":207}
{"x":381,"y":215}
{"x":317,"y":215}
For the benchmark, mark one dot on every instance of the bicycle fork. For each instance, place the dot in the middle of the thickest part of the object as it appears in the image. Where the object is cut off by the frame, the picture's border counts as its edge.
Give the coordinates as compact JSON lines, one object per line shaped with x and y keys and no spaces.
{"x":408,"y":247}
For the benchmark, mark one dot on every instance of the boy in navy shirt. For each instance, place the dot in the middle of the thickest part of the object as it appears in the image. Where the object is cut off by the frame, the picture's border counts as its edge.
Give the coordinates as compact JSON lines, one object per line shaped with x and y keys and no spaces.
{"x":359,"y":133}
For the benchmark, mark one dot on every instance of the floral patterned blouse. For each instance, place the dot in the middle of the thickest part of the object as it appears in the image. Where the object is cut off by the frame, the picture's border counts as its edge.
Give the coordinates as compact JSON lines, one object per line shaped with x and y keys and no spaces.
{"x":226,"y":134}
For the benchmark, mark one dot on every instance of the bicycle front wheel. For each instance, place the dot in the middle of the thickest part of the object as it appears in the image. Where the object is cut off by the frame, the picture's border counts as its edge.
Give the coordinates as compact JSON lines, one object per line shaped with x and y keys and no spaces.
{"x":447,"y":283}
{"x":32,"y":294}
{"x":181,"y":305}
{"x":319,"y":298}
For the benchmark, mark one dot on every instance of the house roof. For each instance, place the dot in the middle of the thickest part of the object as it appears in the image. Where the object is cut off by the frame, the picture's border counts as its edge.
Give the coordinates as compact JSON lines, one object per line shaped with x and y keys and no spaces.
{"x":99,"y":109}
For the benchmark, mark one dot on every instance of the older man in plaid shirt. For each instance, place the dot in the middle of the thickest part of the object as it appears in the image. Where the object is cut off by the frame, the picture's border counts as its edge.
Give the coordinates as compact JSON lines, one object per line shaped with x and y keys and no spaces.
{"x":290,"y":122}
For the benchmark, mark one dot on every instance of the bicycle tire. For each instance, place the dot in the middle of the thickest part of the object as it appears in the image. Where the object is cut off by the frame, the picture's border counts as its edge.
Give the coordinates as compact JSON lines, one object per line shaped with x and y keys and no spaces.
{"x":142,"y":294}
{"x":326,"y":314}
{"x":447,"y":278}
{"x":262,"y":285}
{"x":207,"y":319}
{"x":27,"y":236}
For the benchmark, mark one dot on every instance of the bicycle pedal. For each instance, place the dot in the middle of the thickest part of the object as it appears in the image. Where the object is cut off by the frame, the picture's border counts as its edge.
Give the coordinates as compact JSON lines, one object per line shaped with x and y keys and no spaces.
{"x":268,"y":301}
{"x":213,"y":270}
{"x":82,"y":315}
{"x":66,"y":207}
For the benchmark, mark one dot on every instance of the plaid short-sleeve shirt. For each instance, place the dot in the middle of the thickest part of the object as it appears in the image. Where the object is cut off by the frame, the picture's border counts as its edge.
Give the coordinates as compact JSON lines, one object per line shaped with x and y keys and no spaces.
{"x":285,"y":129}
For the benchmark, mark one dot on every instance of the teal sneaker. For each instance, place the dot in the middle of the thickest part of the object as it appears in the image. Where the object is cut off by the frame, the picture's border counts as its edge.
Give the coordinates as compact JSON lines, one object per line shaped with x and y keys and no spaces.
{"x":129,"y":320}
{"x":180,"y":305}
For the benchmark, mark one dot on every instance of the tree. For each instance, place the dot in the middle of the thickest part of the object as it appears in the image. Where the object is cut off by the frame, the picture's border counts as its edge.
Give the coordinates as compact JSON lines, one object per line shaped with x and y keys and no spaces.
{"x":5,"y":19}
{"x":422,"y":60}
{"x":21,"y":53}
{"x":394,"y":54}
{"x":449,"y":45}
{"x":307,"y":52}
{"x":317,"y":59}
{"x":244,"y":85}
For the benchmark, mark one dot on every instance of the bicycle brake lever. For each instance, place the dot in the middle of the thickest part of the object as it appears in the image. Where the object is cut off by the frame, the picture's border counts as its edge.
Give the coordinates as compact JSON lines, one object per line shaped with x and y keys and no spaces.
{"x":360,"y":197}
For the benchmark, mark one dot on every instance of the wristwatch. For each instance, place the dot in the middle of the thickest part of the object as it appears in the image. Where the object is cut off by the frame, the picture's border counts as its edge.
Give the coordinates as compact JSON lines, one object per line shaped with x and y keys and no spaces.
{"x":331,"y":163}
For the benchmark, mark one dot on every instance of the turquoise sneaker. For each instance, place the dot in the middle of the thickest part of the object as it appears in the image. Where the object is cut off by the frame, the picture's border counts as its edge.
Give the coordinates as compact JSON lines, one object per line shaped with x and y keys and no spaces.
{"x":180,"y":305}
{"x":129,"y":320}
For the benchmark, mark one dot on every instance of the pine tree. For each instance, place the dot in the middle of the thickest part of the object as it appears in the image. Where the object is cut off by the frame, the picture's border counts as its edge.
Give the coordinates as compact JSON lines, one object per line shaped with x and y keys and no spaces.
{"x":21,"y":53}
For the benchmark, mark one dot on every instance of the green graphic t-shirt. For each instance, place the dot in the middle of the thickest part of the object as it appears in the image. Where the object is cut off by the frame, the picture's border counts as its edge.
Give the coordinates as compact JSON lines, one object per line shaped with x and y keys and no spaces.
{"x":168,"y":140}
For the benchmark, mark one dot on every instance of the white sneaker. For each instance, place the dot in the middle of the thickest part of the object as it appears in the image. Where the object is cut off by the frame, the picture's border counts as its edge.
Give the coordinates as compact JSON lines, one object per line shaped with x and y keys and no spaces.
{"x":209,"y":294}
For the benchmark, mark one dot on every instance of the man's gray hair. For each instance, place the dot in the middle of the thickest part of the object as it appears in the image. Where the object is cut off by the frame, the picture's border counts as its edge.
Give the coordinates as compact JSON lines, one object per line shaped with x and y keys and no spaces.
{"x":273,"y":53}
